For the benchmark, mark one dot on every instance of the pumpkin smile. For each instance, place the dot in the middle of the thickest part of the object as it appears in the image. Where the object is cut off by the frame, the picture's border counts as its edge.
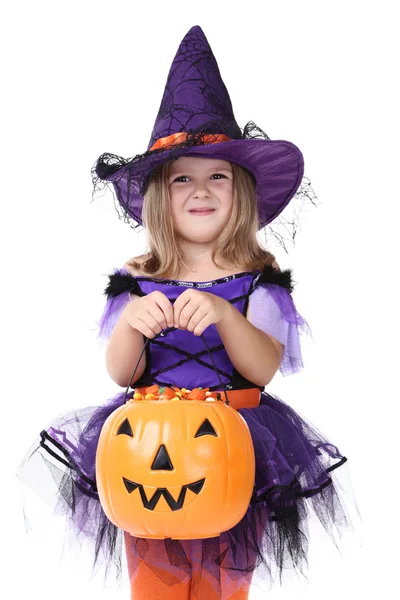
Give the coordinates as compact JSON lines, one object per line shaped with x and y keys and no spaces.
{"x":195,"y":487}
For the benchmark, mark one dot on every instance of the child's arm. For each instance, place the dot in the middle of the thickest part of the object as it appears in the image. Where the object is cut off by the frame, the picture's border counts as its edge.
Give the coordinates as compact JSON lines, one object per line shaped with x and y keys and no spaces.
{"x":123,"y":351}
{"x":256,"y":355}
{"x":124,"y":344}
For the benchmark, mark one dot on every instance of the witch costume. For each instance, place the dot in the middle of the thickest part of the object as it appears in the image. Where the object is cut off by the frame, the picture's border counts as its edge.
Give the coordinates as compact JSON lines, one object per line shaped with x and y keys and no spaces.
{"x":295,"y":464}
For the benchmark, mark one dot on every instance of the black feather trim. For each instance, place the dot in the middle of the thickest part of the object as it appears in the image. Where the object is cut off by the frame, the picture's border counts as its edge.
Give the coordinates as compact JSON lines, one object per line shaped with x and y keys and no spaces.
{"x":282,"y":278}
{"x":122,"y":282}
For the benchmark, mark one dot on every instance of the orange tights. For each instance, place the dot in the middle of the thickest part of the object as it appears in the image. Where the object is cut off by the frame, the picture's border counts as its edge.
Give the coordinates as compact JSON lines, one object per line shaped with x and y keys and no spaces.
{"x":152,"y":577}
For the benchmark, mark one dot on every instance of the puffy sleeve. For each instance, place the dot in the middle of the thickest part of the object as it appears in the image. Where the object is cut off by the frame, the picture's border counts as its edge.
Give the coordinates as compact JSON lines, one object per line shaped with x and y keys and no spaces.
{"x":271,"y":309}
{"x":118,"y":294}
{"x":111,"y":313}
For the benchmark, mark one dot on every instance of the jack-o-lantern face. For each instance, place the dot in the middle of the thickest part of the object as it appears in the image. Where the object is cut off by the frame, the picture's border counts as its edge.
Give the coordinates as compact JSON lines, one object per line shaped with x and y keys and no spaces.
{"x":162,"y":462}
{"x":182,"y":470}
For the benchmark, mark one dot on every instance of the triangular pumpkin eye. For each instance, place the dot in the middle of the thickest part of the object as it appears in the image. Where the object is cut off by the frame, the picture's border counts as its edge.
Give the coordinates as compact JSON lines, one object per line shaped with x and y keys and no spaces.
{"x":125,"y":428}
{"x":206,"y":429}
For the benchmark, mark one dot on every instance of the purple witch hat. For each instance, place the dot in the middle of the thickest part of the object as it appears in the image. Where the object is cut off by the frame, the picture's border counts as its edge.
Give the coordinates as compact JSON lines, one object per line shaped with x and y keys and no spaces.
{"x":195,"y":118}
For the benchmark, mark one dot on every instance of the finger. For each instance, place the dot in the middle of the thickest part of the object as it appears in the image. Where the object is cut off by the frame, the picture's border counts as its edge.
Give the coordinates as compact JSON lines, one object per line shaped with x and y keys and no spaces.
{"x":202,"y":325}
{"x":145,"y":329}
{"x":155,"y":319}
{"x":168,"y":312}
{"x":186,"y":314}
{"x":177,"y":311}
{"x":179,"y":304}
{"x":158,"y":312}
{"x":165,"y":307}
{"x":195,"y":319}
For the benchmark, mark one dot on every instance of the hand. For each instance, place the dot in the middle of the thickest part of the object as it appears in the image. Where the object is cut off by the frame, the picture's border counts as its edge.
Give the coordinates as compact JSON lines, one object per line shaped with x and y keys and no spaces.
{"x":150,"y":314}
{"x":195,"y":310}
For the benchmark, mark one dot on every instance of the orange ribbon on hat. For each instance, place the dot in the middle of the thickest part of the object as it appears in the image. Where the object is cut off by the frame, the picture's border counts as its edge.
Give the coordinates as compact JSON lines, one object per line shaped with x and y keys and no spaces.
{"x":176,"y":138}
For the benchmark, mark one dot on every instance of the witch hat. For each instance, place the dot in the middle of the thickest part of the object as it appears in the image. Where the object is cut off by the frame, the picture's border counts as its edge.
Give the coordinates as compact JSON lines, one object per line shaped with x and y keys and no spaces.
{"x":196,"y":118}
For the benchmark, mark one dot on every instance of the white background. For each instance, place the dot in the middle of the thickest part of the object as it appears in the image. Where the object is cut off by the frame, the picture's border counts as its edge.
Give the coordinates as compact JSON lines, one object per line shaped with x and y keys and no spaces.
{"x":83,"y":78}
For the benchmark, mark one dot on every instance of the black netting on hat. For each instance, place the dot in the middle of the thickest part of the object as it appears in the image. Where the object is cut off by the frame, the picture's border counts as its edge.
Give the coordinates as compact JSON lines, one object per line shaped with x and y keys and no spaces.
{"x":130,"y":177}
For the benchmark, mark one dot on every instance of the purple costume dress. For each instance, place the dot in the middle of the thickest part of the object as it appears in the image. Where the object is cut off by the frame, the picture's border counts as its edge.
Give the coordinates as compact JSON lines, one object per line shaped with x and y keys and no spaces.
{"x":294,"y":461}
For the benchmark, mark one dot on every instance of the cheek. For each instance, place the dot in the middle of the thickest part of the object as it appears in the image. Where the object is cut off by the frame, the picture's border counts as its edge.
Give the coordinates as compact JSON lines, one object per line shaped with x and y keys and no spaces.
{"x":226,"y":198}
{"x":226,"y":190}
{"x":178,"y":209}
{"x":176,"y":197}
{"x":174,"y":205}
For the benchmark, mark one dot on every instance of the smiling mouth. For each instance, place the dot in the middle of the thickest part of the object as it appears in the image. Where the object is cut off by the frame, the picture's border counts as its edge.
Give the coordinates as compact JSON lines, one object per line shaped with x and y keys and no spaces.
{"x":195,"y":487}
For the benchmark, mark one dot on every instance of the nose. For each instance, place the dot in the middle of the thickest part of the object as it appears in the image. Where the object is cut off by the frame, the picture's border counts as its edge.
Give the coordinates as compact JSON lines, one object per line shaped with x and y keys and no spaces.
{"x":199,"y":194}
{"x":201,"y":189}
{"x":162,"y":461}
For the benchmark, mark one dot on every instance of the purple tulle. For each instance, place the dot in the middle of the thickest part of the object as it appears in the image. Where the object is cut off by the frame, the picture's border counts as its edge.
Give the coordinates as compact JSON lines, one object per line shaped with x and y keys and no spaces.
{"x":111,"y":313}
{"x":294,"y":474}
{"x":271,"y":309}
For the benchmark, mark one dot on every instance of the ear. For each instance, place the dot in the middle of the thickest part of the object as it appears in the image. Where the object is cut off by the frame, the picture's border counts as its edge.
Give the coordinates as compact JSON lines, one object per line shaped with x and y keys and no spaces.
{"x":275,"y":265}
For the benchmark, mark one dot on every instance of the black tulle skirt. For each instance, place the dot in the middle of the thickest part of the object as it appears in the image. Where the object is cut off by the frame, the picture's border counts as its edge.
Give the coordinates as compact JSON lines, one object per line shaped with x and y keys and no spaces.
{"x":297,"y":475}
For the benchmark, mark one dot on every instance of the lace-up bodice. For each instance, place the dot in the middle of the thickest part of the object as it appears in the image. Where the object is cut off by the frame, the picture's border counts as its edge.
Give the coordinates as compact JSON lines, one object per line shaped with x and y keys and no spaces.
{"x":178,"y":357}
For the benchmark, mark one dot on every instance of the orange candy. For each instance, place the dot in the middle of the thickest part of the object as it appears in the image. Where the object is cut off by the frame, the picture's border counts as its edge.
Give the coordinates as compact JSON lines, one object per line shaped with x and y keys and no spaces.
{"x":156,"y":392}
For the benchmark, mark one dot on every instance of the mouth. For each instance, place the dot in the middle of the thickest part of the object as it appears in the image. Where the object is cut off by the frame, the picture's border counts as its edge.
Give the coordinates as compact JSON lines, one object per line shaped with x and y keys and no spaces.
{"x":207,"y":211}
{"x":151,"y":504}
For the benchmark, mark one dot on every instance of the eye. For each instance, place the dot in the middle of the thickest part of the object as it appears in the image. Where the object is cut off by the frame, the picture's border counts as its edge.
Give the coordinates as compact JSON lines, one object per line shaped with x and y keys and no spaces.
{"x":206,"y":429}
{"x":185,"y":176}
{"x":125,"y":428}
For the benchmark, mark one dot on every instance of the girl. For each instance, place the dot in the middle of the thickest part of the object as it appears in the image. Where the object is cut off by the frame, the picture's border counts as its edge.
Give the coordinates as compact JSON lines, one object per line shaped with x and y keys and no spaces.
{"x":213,"y":310}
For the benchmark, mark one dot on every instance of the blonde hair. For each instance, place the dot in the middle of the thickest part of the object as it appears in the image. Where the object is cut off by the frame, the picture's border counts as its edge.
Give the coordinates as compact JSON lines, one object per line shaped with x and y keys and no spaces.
{"x":236,"y":246}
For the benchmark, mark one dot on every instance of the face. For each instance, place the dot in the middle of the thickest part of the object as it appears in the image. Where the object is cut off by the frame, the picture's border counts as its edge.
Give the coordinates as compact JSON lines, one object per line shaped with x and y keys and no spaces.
{"x":196,"y":182}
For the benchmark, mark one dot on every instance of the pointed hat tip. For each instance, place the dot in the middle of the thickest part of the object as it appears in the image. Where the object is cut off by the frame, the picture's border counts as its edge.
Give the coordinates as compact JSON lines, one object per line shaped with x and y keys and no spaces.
{"x":195,"y":29}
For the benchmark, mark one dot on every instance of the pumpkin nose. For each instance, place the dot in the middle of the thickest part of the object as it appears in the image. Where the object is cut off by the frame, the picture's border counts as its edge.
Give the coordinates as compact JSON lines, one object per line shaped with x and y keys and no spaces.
{"x":162,"y":461}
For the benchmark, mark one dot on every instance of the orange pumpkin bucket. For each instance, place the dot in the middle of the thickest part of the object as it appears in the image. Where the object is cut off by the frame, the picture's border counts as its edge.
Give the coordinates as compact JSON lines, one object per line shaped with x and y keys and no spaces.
{"x":175,"y":463}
